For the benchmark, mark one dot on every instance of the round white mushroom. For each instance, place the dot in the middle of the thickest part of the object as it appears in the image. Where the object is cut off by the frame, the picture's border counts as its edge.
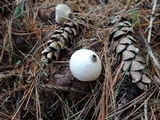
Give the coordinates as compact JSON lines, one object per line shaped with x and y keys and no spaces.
{"x":62,"y":13}
{"x":85,"y":65}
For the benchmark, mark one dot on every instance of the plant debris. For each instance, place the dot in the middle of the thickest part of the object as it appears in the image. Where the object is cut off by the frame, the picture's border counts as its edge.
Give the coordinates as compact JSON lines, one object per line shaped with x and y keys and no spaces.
{"x":32,"y":89}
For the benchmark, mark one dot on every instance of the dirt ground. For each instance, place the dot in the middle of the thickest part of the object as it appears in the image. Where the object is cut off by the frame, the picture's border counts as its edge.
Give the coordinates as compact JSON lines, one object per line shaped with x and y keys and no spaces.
{"x":30,"y":89}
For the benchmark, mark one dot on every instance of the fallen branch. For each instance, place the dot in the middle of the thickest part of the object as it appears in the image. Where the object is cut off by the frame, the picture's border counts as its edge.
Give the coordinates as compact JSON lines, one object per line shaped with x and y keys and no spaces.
{"x":150,"y":52}
{"x":151,"y":20}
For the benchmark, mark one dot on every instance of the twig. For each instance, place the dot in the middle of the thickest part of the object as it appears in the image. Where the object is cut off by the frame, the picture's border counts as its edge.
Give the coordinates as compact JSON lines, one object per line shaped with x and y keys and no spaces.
{"x":38,"y":109}
{"x":6,"y":67}
{"x":4,"y":43}
{"x":27,"y":95}
{"x":5,"y":116}
{"x":147,"y":98}
{"x":151,"y":20}
{"x":145,"y":110}
{"x":118,"y":72}
{"x":135,"y":101}
{"x":10,"y":39}
{"x":8,"y":93}
{"x":157,"y":64}
{"x":68,"y":89}
{"x":149,"y":50}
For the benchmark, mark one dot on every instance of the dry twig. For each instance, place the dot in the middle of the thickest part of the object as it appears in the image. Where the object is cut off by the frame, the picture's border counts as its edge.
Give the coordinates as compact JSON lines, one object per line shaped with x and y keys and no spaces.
{"x":151,"y":20}
{"x":150,"y":52}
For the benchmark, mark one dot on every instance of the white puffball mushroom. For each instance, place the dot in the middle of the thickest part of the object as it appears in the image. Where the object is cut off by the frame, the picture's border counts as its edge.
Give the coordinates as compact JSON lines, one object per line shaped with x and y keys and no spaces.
{"x":62,"y":13}
{"x":85,"y":65}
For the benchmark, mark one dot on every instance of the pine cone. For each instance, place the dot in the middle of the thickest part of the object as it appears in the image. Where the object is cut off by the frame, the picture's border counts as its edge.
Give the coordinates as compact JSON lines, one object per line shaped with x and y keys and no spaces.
{"x":62,"y":37}
{"x":123,"y":46}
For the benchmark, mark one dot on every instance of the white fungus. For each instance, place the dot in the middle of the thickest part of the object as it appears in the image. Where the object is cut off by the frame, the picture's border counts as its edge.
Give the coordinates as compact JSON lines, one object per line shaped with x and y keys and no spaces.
{"x":62,"y":13}
{"x":85,"y":65}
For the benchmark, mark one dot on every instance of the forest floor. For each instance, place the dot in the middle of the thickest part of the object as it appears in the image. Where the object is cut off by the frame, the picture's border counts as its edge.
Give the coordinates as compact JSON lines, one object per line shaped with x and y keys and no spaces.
{"x":30,"y":90}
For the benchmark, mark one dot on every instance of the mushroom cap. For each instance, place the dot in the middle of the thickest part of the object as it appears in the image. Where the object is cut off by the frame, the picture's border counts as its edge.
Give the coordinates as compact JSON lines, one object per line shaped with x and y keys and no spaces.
{"x":85,"y":65}
{"x":62,"y":13}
